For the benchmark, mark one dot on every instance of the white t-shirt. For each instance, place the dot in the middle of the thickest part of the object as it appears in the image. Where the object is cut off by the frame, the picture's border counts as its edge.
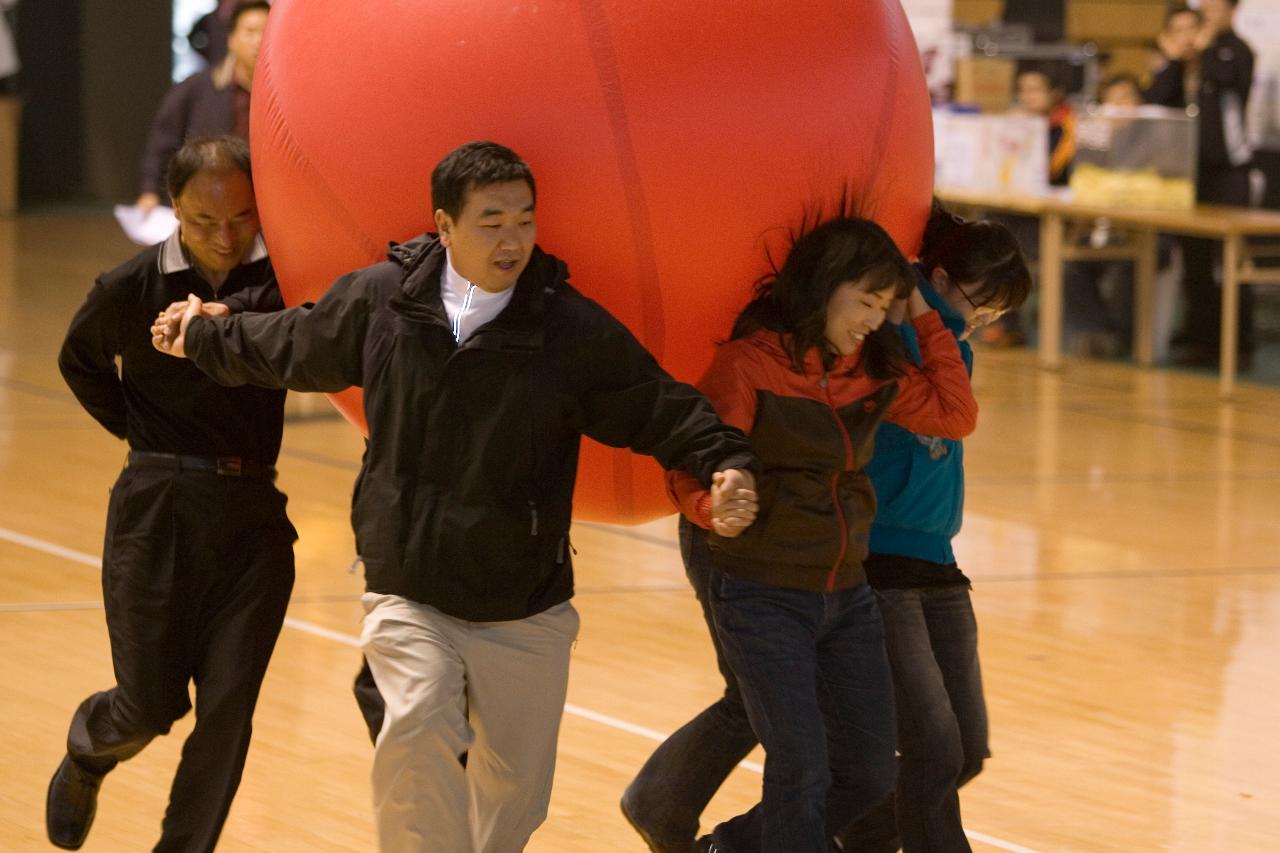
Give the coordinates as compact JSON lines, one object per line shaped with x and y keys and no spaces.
{"x":469,"y":307}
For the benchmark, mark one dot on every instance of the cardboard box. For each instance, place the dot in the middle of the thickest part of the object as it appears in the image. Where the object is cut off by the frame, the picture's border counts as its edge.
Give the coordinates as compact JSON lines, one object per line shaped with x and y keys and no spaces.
{"x":985,"y":82}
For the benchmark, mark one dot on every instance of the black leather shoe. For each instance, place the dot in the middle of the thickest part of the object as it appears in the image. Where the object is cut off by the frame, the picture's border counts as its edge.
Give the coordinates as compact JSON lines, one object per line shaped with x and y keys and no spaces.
{"x":655,"y":845}
{"x":71,"y":804}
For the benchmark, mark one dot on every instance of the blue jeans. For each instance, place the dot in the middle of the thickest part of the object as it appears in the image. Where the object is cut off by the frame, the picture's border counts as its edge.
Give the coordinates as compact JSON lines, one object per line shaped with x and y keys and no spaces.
{"x":932,"y":639}
{"x":815,"y":679}
{"x":673,"y":788}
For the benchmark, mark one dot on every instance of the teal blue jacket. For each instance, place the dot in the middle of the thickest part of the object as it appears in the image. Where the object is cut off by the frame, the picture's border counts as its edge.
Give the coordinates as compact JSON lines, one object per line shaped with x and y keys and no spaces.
{"x":919,"y":479}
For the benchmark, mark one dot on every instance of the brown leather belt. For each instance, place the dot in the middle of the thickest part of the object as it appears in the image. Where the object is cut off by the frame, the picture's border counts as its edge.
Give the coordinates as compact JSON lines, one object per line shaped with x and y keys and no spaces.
{"x":228,"y":466}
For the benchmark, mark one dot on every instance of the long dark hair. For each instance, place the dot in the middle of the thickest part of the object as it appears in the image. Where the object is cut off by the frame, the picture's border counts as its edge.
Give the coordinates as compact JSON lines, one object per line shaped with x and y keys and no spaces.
{"x":793,"y":299}
{"x":981,"y":255}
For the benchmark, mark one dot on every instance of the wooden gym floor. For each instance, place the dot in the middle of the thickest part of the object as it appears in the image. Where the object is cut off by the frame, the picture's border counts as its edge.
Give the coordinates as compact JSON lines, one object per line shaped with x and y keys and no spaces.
{"x":1123,"y":534}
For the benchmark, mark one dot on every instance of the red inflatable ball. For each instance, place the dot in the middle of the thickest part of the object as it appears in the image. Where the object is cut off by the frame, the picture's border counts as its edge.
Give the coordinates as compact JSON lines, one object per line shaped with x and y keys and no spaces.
{"x":670,"y":141}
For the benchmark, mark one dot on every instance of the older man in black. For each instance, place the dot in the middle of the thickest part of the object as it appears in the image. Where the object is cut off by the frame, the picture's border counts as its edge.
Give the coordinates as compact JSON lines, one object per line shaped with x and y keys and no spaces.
{"x":198,"y":560}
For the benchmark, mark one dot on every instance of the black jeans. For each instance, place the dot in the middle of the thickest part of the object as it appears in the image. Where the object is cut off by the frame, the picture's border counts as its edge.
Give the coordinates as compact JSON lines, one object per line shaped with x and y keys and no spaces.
{"x":196,"y":575}
{"x":670,"y":792}
{"x":932,"y":639}
{"x":816,"y":684}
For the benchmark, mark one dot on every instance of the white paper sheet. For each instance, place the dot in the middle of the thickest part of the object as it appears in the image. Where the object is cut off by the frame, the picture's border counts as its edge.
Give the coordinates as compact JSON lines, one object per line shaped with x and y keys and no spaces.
{"x":149,"y":228}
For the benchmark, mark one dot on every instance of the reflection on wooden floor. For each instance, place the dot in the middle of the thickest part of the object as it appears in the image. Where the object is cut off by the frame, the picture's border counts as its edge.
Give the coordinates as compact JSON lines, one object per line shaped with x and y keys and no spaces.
{"x":1122,"y":533}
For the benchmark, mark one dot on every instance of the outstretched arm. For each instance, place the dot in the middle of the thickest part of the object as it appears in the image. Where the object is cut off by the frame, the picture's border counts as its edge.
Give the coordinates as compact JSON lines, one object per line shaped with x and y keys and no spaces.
{"x":311,"y":347}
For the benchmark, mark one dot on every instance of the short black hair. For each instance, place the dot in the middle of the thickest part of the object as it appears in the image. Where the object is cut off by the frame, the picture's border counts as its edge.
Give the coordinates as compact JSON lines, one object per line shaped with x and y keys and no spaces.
{"x":207,"y":153}
{"x":242,"y":8}
{"x":472,"y":166}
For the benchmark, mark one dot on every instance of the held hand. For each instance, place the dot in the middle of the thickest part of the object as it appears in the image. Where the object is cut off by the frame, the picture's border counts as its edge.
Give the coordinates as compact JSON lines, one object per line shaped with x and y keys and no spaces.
{"x":165,"y":328}
{"x":1172,"y":48}
{"x":1204,"y":37}
{"x":168,"y":333}
{"x":147,"y":202}
{"x":733,"y":501}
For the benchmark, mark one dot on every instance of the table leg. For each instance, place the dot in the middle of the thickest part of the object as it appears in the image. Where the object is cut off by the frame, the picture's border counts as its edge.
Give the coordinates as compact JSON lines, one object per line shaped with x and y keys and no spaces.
{"x":1230,"y":313}
{"x":1050,"y":346}
{"x":1144,"y":297}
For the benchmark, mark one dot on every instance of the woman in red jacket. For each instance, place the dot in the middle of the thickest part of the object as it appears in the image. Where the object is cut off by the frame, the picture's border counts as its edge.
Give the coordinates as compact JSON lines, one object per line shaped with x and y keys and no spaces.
{"x":809,"y":374}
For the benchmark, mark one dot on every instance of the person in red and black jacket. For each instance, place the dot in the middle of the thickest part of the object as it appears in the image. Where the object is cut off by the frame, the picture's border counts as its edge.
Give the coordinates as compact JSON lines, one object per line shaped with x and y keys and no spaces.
{"x":810,"y":374}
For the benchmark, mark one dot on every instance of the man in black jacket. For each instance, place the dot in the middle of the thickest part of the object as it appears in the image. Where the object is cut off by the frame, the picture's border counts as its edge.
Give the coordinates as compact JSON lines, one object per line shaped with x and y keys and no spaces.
{"x":1215,"y":67}
{"x":481,"y":368}
{"x":198,"y":561}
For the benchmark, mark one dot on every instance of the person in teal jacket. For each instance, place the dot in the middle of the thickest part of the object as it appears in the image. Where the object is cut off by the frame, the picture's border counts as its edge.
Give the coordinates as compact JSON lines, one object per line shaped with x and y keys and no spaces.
{"x":971,"y":272}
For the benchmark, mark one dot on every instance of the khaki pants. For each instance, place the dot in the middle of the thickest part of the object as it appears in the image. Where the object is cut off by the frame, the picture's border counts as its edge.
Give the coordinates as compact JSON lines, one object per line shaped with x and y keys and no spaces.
{"x":493,"y":691}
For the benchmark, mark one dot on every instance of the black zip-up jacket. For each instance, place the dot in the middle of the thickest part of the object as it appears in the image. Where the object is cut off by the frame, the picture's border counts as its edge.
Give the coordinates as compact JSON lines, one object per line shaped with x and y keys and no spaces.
{"x":465,"y":497}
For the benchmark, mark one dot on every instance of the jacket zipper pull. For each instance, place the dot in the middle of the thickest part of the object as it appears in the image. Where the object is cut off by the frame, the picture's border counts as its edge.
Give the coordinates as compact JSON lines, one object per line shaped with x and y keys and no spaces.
{"x":533,"y":515}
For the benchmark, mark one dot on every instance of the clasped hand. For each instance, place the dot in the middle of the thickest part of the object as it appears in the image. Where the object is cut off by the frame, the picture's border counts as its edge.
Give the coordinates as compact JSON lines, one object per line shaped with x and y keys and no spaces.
{"x":168,"y":332}
{"x":734,"y":503}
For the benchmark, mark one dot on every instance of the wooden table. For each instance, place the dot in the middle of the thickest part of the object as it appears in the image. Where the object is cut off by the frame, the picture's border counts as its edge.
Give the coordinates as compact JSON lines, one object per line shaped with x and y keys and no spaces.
{"x":1059,"y":215}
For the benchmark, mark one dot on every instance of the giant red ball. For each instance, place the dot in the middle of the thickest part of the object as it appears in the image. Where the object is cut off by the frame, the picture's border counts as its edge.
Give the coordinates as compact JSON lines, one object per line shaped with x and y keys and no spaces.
{"x":671,"y":142}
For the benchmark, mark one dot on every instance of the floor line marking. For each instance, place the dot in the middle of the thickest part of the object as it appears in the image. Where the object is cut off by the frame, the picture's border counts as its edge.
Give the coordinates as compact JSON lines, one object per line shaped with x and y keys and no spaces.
{"x":45,"y":606}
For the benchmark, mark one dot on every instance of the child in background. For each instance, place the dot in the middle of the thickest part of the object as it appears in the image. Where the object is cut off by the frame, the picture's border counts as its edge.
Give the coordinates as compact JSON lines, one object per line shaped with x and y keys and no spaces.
{"x":1039,"y":93}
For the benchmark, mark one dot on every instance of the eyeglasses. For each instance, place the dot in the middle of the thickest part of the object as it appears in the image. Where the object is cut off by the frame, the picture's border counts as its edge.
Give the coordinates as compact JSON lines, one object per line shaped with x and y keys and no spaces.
{"x":986,"y":312}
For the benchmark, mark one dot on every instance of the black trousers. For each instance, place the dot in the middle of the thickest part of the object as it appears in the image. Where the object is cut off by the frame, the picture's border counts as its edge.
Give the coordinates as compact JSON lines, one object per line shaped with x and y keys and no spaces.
{"x":196,"y":575}
{"x":1203,"y":325}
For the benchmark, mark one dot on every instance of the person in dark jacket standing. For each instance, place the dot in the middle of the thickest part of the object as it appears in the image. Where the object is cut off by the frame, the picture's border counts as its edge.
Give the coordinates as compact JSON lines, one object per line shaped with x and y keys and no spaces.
{"x":1216,"y":68}
{"x":210,"y":102}
{"x":197,"y":565}
{"x":481,"y":367}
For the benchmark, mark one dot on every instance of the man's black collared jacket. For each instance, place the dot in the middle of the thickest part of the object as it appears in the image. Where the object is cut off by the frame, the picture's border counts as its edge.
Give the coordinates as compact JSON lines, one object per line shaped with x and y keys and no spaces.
{"x":466,"y":492}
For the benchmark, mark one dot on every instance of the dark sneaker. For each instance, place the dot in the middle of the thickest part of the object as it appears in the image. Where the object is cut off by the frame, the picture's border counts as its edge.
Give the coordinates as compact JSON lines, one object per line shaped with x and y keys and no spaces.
{"x":71,"y":804}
